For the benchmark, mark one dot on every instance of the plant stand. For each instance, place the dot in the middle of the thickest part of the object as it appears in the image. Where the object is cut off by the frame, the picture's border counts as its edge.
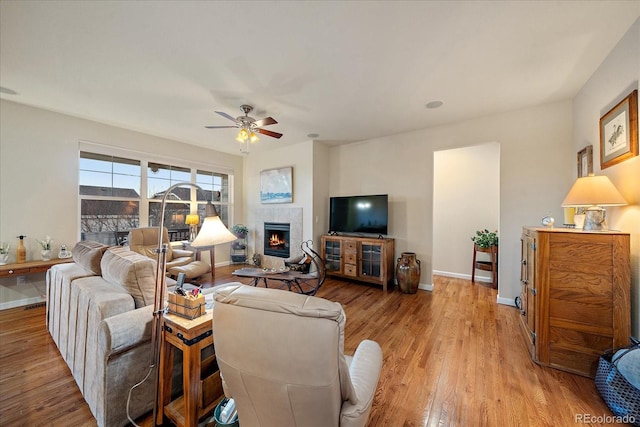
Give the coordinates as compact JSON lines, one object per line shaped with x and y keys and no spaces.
{"x":239,"y":251}
{"x":491,"y":265}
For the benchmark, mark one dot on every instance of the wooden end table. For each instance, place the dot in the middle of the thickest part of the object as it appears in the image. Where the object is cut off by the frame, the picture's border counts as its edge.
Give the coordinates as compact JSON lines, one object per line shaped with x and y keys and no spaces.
{"x":201,"y":383}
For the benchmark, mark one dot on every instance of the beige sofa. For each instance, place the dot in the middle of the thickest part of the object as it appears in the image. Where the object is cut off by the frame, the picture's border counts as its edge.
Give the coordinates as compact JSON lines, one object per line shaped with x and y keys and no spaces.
{"x":99,"y":313}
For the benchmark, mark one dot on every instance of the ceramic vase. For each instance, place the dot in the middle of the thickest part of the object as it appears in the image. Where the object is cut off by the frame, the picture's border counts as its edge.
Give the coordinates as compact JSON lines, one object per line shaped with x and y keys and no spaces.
{"x":4,"y":258}
{"x":46,"y":254}
{"x":408,"y":272}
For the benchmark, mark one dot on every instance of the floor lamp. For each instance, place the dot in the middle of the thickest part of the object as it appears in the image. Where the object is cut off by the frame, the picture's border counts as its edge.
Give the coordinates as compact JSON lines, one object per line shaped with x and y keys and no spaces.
{"x":213,"y":232}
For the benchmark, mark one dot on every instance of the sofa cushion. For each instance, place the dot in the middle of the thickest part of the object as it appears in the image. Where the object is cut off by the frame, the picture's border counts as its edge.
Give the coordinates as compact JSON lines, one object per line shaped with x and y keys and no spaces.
{"x":88,"y":254}
{"x":132,"y":271}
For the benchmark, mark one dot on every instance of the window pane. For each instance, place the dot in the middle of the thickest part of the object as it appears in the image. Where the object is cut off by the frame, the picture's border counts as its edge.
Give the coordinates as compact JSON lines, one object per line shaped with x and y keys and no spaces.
{"x":108,"y":221}
{"x":97,"y":176}
{"x":175,"y":215}
{"x":223,"y":212}
{"x":213,"y":183}
{"x":161,"y":177}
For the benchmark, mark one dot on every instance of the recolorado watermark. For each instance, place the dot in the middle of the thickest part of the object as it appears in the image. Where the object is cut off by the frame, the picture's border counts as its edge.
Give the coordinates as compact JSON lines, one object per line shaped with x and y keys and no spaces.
{"x":604,"y":419}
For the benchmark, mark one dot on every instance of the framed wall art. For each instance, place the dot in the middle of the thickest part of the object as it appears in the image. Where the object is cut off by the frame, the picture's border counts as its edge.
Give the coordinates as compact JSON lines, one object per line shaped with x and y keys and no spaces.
{"x":619,"y":132}
{"x":276,"y":185}
{"x":585,"y":161}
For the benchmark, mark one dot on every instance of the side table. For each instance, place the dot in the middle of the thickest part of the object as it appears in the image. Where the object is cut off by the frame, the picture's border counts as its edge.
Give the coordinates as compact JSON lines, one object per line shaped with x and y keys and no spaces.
{"x":30,"y":267}
{"x":212,"y":254}
{"x":201,"y":383}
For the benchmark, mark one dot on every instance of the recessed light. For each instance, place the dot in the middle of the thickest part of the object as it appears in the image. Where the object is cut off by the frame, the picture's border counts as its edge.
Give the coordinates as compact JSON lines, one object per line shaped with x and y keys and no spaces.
{"x":434,"y":104}
{"x":7,"y":91}
{"x":313,"y":135}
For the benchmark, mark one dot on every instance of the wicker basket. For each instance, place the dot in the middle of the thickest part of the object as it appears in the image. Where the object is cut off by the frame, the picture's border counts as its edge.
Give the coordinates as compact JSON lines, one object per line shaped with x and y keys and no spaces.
{"x":620,"y":396}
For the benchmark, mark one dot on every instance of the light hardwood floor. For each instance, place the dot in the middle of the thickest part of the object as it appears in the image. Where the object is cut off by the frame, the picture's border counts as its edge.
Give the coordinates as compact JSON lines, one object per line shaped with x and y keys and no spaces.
{"x":452,"y":357}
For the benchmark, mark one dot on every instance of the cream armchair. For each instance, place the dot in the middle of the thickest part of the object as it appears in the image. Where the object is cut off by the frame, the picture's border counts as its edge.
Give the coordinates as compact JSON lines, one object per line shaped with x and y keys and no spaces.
{"x":281,"y":358}
{"x":145,"y":241}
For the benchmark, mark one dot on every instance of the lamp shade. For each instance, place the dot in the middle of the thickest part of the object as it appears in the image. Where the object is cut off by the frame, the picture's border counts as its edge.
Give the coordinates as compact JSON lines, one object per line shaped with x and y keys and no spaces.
{"x":192,"y":220}
{"x":593,"y":191}
{"x":213,"y":231}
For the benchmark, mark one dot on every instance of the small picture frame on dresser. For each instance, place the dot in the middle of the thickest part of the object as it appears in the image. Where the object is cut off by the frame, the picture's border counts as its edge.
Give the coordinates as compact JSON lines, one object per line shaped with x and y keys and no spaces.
{"x":585,"y":161}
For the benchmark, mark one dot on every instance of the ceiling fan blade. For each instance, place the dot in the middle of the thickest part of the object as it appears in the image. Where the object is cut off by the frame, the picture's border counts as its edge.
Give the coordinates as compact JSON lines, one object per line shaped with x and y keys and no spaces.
{"x":223,"y":114}
{"x":220,"y":127}
{"x":269,"y":133}
{"x":265,"y":122}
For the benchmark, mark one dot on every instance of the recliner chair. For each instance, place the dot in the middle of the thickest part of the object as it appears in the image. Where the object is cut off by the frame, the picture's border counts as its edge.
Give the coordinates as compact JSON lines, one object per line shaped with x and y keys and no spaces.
{"x":145,"y":240}
{"x":281,"y":359}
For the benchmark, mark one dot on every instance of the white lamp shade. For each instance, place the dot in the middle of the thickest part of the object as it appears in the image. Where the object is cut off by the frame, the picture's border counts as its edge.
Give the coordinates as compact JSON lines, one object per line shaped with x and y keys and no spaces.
{"x":213,"y":232}
{"x":593,"y":191}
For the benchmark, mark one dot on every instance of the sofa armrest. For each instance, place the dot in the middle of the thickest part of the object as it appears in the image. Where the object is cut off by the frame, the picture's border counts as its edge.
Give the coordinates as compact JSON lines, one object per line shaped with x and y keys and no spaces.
{"x":365,"y":372}
{"x":124,"y":331}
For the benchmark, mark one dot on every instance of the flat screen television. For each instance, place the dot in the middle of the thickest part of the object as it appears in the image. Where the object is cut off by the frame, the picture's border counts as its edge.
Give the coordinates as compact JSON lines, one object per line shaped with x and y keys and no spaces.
{"x":359,"y":214}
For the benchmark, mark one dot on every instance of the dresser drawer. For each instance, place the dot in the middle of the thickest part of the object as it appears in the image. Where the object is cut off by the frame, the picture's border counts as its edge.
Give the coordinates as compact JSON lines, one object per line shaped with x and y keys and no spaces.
{"x":350,"y":270}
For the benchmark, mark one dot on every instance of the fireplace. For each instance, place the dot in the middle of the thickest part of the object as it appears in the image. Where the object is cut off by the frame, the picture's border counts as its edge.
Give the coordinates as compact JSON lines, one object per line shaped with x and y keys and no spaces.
{"x":276,"y":239}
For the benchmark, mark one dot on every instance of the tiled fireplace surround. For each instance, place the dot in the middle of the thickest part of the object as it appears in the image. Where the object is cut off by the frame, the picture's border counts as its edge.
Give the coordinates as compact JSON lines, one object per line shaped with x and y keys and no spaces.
{"x":293,"y":216}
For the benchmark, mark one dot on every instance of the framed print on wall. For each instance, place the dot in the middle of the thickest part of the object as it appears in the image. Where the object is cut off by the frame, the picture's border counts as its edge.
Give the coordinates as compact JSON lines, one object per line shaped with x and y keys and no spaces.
{"x":276,"y":185}
{"x":585,"y":161}
{"x":619,"y":132}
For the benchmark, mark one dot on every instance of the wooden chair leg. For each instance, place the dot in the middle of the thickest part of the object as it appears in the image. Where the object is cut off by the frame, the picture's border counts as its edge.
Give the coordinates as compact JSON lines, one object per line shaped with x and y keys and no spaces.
{"x":473,"y":266}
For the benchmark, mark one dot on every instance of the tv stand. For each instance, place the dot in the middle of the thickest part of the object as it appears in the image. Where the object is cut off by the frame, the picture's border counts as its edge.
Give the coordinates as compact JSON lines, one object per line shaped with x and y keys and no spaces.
{"x":367,"y":259}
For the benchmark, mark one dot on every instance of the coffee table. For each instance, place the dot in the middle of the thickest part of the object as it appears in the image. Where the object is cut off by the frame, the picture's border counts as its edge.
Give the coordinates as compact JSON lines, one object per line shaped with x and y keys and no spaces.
{"x":300,"y":282}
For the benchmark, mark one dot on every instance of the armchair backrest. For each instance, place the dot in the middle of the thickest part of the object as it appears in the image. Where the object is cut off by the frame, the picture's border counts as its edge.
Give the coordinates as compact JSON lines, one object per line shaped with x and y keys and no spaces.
{"x":281,"y":356}
{"x":145,"y":241}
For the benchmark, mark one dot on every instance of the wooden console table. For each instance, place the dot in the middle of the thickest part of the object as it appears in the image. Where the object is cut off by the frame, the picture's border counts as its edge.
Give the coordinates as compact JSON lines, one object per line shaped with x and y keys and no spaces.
{"x":201,"y":383}
{"x":30,"y":267}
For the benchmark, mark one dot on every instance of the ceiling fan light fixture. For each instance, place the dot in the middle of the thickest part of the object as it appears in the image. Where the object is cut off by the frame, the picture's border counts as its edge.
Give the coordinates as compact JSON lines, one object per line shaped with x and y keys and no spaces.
{"x":253,"y":137}
{"x":242,"y":135}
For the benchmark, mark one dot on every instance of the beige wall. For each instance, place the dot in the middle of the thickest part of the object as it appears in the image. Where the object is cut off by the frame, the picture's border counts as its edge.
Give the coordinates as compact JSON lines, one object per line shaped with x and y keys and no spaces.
{"x":39,"y":176}
{"x":466,"y":198}
{"x":616,"y":77}
{"x":535,"y":172}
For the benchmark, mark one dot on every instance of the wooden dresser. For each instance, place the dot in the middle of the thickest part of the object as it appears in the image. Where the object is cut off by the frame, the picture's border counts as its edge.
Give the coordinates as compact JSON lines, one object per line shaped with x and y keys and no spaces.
{"x":575,"y":296}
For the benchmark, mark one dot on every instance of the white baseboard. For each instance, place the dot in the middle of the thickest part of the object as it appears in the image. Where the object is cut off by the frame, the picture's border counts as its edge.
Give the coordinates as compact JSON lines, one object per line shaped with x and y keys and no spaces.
{"x":506,"y":301}
{"x":461,"y":276}
{"x":21,"y":302}
{"x":425,"y":287}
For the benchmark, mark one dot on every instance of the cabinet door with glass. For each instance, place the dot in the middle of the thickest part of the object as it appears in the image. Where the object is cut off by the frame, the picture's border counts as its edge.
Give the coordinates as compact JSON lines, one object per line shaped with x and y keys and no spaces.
{"x":371,"y":260}
{"x":332,"y":254}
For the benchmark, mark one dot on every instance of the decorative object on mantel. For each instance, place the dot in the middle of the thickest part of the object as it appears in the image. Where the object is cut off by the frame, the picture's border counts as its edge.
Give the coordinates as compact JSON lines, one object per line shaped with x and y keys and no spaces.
{"x":21,"y":251}
{"x":46,"y":248}
{"x":276,"y":185}
{"x":4,"y":253}
{"x":593,"y":192}
{"x":408,"y":272}
{"x":619,"y":132}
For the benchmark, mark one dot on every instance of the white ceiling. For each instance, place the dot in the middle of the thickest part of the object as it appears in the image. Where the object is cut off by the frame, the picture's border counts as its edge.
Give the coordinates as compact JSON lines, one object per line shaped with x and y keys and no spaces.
{"x":348,"y":71}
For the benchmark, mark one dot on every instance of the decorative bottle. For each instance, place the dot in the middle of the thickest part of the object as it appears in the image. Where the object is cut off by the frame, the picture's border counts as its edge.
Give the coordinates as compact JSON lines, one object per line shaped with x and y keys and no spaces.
{"x":408,"y":272}
{"x":21,"y":251}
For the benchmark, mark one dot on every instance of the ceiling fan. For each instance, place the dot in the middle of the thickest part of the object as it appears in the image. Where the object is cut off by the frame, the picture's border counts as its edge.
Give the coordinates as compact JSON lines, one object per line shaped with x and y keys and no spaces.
{"x":248,"y":125}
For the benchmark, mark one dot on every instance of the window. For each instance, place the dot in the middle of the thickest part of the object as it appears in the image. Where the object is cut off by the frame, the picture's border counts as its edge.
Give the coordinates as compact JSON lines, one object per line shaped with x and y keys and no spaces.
{"x":117,"y":194}
{"x":109,"y":197}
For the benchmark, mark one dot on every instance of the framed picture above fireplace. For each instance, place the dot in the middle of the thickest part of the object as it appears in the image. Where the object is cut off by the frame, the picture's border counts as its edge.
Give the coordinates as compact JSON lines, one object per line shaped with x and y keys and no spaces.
{"x":276,"y":185}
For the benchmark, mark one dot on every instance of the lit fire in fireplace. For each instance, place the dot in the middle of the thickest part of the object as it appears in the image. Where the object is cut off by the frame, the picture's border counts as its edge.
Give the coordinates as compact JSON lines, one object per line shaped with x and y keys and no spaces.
{"x":275,"y":240}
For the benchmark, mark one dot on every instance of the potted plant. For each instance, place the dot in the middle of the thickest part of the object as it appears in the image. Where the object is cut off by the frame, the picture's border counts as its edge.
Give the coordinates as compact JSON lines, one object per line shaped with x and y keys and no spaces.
{"x":4,"y":253}
{"x":485,"y":238}
{"x":240,"y":230}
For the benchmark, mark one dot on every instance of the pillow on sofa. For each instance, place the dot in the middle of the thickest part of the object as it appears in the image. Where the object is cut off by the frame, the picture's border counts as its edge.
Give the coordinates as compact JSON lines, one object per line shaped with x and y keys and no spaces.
{"x":88,"y":254}
{"x":132,"y":271}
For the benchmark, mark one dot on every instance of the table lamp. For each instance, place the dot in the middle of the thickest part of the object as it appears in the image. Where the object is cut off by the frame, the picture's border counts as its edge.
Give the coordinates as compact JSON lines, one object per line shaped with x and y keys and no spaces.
{"x":192,"y":221}
{"x":593,"y":192}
